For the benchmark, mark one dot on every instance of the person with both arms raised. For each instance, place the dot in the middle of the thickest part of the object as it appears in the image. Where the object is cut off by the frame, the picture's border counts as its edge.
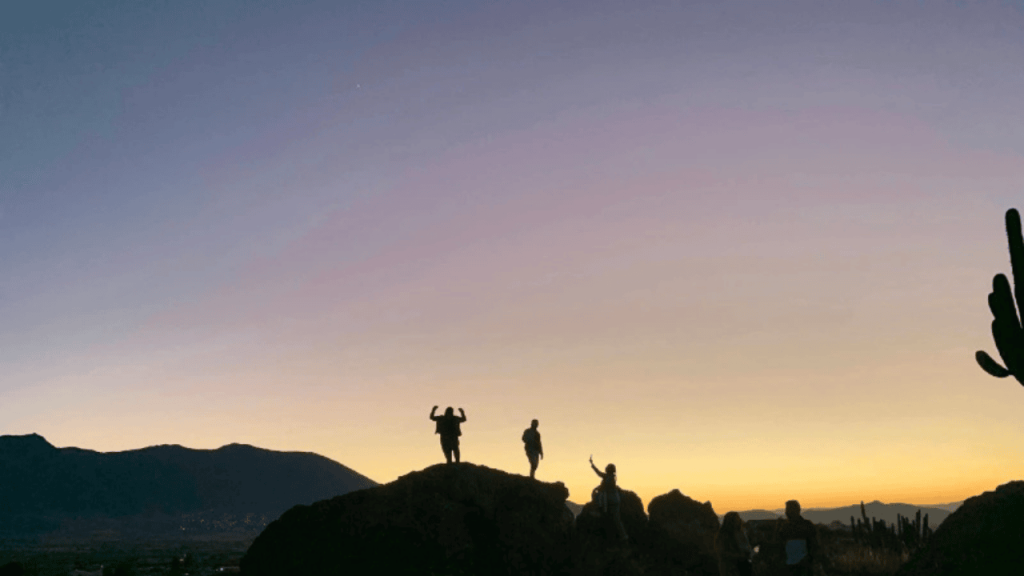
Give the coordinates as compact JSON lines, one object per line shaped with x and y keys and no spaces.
{"x":449,"y":427}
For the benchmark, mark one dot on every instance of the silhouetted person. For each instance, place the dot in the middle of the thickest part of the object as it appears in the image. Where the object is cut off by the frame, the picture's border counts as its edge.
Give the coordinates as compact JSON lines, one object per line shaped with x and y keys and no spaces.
{"x":609,"y":498}
{"x":732,"y":547}
{"x":534,"y":450}
{"x":799,"y":540}
{"x":449,"y":427}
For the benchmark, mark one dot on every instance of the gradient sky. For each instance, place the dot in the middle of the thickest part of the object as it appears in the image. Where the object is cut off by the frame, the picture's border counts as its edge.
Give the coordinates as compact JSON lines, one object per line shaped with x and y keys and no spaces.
{"x":741,"y":249}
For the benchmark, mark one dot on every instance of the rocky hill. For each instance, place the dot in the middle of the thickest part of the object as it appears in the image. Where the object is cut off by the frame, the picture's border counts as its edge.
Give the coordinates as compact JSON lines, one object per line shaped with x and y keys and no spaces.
{"x":469,"y":519}
{"x":983,"y":536}
{"x":460,"y":519}
{"x":43,"y":487}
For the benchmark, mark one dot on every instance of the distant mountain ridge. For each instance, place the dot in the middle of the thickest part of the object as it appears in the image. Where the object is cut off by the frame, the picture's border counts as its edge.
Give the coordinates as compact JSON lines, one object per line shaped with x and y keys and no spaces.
{"x":38,"y":480}
{"x":879,"y":510}
{"x":876,"y":509}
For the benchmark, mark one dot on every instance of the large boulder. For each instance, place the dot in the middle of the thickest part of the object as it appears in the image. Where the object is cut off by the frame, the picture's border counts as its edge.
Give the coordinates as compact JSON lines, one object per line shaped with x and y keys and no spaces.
{"x":681,"y":534}
{"x":983,"y":536}
{"x":446,"y":519}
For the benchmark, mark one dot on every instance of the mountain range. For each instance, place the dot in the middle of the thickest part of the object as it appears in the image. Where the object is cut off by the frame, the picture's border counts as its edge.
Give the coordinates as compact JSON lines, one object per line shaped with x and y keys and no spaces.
{"x":877,"y":510}
{"x":42,"y":486}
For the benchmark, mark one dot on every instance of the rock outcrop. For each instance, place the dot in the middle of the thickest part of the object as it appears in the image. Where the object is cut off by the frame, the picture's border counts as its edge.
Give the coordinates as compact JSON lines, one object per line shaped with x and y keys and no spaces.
{"x":682,"y":533}
{"x":983,"y":536}
{"x":446,"y":519}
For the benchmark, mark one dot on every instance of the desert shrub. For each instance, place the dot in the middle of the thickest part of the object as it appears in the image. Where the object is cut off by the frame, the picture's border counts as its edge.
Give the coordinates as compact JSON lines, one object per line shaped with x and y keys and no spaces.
{"x":863,"y":560}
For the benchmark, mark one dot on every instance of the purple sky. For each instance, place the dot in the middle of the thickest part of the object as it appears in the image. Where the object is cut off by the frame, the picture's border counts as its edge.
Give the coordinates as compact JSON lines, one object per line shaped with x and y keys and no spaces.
{"x":740,"y":249}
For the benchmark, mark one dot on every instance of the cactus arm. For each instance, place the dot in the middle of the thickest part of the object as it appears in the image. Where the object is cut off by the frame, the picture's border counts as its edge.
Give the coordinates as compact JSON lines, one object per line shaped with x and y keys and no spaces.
{"x":1016,"y":241}
{"x":1008,"y":342}
{"x":1016,"y":321}
{"x":1000,"y":300}
{"x":989,"y":365}
{"x":1006,"y":330}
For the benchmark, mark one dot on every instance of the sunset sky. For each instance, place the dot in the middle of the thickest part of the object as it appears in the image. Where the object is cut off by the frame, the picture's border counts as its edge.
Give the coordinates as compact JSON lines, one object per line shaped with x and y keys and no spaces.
{"x":741,"y":249}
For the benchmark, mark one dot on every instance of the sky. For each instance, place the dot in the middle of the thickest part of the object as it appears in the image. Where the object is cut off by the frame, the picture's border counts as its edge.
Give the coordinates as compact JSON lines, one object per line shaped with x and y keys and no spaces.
{"x":739,"y":249}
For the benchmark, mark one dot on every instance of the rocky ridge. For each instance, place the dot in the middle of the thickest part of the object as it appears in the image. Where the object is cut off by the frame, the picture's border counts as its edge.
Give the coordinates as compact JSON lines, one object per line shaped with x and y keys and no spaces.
{"x":470,"y":519}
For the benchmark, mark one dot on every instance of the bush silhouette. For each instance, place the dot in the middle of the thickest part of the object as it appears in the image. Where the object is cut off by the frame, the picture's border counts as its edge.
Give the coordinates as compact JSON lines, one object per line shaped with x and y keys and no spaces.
{"x":1006,"y":325}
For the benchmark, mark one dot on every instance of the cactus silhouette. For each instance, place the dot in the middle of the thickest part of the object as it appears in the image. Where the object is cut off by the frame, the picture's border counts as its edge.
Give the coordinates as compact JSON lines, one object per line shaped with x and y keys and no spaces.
{"x":1006,"y":325}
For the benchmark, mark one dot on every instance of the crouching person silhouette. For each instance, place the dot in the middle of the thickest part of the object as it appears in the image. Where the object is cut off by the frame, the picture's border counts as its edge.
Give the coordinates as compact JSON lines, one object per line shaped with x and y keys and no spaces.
{"x":609,"y":499}
{"x":449,"y":427}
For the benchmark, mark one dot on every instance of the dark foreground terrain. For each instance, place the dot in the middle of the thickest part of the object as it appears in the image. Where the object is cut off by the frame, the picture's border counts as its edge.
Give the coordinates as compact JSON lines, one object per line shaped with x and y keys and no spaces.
{"x":466,"y":519}
{"x":177,"y":511}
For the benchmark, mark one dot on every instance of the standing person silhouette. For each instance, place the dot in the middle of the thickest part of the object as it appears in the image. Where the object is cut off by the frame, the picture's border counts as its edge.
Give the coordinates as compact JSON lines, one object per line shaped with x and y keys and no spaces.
{"x":732,"y":548}
{"x":799,"y":541}
{"x":611,"y":499}
{"x":534,"y":450}
{"x":449,"y":427}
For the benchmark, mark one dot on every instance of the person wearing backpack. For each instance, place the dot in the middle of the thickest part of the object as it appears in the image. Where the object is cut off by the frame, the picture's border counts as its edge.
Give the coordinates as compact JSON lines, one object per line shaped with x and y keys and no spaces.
{"x":610,"y":499}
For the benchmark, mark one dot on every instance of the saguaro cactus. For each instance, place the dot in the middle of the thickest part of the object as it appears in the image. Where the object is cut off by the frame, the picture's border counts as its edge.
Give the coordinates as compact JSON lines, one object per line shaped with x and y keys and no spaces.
{"x":1006,"y":325}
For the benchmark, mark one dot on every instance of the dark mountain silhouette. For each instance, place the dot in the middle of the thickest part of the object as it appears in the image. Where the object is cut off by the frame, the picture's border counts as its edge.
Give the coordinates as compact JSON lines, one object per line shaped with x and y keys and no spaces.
{"x":41,"y":485}
{"x":876,"y":509}
{"x":982,"y":537}
{"x":950,"y":507}
{"x":748,"y":515}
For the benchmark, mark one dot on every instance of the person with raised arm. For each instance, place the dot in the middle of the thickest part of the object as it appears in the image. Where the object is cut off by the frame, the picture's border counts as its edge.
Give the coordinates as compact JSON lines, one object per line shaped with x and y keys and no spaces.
{"x":609,"y":498}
